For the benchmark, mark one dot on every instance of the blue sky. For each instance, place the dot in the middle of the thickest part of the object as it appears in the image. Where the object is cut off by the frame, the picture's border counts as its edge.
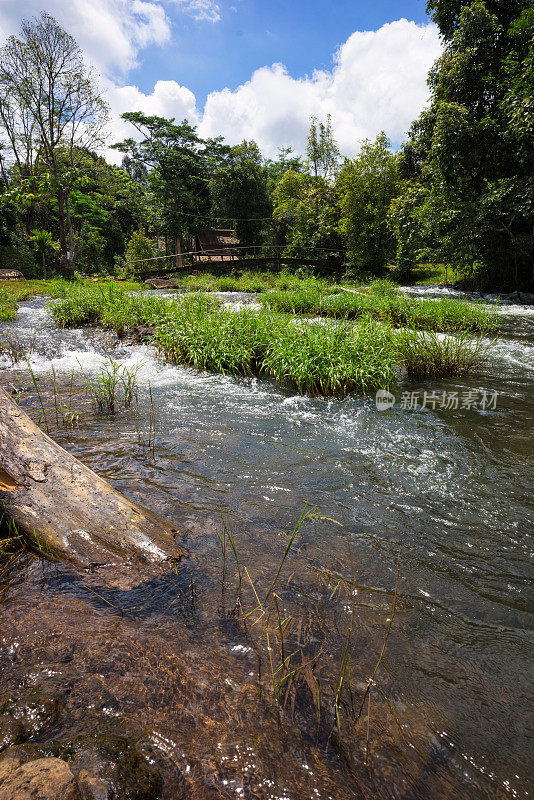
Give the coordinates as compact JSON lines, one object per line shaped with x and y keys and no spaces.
{"x":302,"y":34}
{"x":254,"y":69}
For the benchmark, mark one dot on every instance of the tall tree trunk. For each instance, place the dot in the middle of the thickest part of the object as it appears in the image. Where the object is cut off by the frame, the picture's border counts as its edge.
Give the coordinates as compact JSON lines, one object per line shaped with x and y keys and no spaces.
{"x":66,"y":237}
{"x":71,"y":254}
{"x":178,"y":252}
{"x":63,"y":247}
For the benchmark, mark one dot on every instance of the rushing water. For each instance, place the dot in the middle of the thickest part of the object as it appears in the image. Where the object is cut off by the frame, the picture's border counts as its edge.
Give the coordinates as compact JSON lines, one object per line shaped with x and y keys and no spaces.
{"x":449,"y":713}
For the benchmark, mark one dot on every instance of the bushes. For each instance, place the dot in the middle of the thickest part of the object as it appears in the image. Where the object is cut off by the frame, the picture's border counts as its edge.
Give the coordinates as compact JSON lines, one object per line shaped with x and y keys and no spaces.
{"x":91,"y":248}
{"x":139,"y":248}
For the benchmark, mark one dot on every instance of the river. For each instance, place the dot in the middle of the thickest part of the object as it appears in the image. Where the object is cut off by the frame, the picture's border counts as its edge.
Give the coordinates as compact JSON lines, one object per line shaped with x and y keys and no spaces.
{"x":445,"y":493}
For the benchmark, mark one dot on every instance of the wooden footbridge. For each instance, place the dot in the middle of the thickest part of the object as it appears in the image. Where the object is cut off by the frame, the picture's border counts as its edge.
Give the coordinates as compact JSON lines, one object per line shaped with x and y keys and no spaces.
{"x":256,"y":257}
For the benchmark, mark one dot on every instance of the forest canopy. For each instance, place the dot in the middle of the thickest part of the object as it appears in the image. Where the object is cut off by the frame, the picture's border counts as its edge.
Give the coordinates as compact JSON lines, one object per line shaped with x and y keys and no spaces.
{"x":460,"y":190}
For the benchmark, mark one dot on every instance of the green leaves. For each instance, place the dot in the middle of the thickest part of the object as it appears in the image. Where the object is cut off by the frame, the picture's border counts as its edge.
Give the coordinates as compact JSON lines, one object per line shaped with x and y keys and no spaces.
{"x":470,"y":157}
{"x":367,"y":184}
{"x":169,"y":159}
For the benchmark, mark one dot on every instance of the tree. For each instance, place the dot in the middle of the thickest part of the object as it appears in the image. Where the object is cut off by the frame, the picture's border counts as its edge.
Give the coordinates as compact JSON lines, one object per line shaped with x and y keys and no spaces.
{"x":172,"y":157}
{"x":51,"y":112}
{"x":367,"y":184}
{"x":446,"y":13}
{"x":43,"y":243}
{"x":309,"y":210}
{"x":323,"y":156}
{"x":238,"y":191}
{"x":469,"y":159}
{"x":322,"y":151}
{"x":139,"y":248}
{"x":276,"y":169}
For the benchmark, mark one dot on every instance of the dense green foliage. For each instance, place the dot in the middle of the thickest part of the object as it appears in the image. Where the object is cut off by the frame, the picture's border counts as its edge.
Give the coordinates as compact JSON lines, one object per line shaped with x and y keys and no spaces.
{"x":318,"y":357}
{"x":469,"y":160}
{"x":238,"y":191}
{"x":460,"y":193}
{"x":367,"y":184}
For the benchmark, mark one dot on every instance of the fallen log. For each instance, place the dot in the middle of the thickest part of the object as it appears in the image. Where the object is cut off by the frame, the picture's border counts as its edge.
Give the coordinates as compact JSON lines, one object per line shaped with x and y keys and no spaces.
{"x":65,"y":509}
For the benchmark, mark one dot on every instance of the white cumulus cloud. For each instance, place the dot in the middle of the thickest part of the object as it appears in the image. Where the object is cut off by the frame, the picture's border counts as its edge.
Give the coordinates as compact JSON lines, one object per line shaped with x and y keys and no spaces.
{"x":377,"y":82}
{"x":110,"y":32}
{"x":202,"y":10}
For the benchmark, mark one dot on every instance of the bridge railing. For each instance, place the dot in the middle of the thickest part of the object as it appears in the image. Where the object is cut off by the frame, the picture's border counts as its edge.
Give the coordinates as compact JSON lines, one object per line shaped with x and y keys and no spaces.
{"x":240,"y":253}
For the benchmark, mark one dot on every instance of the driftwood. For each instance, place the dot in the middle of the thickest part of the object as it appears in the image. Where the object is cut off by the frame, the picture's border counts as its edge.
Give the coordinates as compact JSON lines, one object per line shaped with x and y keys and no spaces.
{"x":63,"y":508}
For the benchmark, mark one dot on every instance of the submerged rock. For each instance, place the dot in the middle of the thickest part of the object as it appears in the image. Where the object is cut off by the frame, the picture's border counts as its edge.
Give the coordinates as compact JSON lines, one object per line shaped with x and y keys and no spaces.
{"x":42,"y":779}
{"x":109,"y":767}
{"x":99,"y":767}
{"x":11,"y":732}
{"x":26,"y":718}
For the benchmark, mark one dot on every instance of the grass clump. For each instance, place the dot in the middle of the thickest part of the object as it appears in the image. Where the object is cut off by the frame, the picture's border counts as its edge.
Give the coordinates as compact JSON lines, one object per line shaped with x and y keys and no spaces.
{"x":108,"y":304}
{"x":201,"y":334}
{"x":427,"y":354}
{"x":13,"y":348}
{"x":383,"y":304}
{"x":249,"y":281}
{"x":8,"y":306}
{"x":329,"y":359}
{"x":114,"y":387}
{"x":78,"y":304}
{"x":382,"y":287}
{"x":332,"y":359}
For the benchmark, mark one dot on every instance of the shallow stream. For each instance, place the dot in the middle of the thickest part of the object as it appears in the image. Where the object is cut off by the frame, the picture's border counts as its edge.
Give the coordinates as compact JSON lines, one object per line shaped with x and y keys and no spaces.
{"x":173,"y":664}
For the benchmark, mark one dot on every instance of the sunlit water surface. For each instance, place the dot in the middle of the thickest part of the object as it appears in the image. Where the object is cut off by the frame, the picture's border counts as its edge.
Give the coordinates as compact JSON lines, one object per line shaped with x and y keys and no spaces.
{"x":450,"y":702}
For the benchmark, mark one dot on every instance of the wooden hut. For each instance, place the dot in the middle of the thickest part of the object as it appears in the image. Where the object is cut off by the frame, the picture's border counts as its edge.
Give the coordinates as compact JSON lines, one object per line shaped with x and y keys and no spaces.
{"x":215,"y":244}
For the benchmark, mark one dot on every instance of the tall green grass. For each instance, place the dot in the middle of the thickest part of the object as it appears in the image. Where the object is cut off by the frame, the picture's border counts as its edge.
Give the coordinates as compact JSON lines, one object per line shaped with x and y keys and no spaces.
{"x":384,"y":304}
{"x":8,"y":306}
{"x":249,"y":281}
{"x":321,"y":357}
{"x":427,"y":354}
{"x":115,"y":386}
{"x":326,"y":359}
{"x":109,"y":304}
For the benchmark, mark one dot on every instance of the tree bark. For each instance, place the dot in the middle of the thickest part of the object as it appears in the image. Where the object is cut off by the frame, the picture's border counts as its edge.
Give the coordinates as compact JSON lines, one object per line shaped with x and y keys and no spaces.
{"x":63,"y":247}
{"x":71,"y":256}
{"x":65,"y":510}
{"x":178,"y":252}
